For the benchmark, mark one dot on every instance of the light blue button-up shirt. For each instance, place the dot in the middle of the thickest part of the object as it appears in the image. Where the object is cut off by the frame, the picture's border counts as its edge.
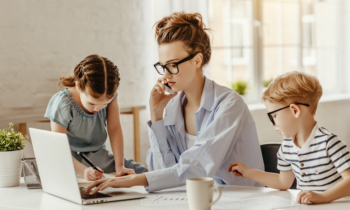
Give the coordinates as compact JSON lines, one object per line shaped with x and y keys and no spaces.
{"x":225,"y":133}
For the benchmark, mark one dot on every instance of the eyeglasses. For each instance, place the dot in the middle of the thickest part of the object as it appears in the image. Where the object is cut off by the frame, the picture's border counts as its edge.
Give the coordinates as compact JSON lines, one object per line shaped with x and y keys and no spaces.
{"x":271,"y":118}
{"x":172,"y":68}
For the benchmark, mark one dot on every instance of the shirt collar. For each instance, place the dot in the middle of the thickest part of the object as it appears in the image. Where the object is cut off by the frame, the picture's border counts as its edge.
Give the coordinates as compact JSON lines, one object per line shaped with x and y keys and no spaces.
{"x":310,"y":139}
{"x":208,"y":95}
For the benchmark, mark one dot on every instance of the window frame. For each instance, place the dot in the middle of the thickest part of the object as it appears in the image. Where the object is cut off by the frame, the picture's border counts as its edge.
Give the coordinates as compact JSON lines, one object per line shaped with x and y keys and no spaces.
{"x":256,"y":69}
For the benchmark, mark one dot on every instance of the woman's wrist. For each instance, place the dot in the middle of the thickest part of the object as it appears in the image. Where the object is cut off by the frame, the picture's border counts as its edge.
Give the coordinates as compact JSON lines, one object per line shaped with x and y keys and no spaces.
{"x":156,"y":116}
{"x":139,"y":180}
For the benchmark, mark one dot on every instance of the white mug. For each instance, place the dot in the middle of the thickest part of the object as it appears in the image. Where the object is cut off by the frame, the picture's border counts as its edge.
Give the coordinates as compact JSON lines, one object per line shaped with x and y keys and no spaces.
{"x":200,"y":193}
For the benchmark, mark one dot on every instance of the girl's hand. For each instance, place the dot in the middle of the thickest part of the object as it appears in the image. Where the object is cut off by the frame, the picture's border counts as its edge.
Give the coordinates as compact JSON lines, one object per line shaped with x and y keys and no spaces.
{"x":239,"y":169}
{"x":91,"y":174}
{"x":122,"y":170}
{"x":309,"y":197}
{"x":158,"y":100}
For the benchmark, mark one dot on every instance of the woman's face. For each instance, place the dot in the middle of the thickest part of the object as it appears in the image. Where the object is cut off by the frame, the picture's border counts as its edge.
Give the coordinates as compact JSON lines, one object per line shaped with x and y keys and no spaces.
{"x":174,"y":52}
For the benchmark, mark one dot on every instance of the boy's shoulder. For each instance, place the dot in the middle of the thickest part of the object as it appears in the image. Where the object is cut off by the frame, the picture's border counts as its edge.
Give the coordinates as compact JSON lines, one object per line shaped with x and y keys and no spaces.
{"x":322,"y":131}
{"x":323,"y":135}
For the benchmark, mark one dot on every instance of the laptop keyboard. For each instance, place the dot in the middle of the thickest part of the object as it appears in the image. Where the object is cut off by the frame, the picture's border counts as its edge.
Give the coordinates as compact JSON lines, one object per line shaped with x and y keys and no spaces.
{"x":85,"y":195}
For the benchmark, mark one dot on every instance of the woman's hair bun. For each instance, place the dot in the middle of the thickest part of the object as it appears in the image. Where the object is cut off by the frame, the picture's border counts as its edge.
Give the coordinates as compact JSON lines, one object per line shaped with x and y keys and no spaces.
{"x":188,"y":28}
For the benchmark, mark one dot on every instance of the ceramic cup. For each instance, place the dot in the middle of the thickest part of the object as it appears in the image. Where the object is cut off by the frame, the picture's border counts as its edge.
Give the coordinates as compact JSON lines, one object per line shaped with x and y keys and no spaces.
{"x":200,"y":193}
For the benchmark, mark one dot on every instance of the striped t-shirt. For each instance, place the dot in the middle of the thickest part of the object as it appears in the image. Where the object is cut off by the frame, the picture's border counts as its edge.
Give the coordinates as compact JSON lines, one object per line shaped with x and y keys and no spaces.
{"x":318,"y":163}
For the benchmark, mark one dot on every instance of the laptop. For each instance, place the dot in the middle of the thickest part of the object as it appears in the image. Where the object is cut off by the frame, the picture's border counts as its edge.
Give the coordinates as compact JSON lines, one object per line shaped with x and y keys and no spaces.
{"x":57,"y":174}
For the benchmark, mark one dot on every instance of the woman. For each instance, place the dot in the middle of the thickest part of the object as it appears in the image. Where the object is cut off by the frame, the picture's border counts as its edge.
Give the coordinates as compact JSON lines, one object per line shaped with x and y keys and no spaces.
{"x":205,"y":127}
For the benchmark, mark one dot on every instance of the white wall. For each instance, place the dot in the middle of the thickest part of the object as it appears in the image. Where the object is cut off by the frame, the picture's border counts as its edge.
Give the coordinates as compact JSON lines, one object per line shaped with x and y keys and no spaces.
{"x":40,"y":39}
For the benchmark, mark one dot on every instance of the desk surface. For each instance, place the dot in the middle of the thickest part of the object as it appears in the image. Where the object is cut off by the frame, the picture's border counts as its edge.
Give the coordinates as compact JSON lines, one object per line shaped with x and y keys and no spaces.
{"x":17,"y":198}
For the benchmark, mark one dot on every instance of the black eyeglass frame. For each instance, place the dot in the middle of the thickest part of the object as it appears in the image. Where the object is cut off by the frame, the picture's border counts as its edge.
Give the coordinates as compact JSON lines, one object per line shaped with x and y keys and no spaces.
{"x":270,"y":116}
{"x":176,"y":63}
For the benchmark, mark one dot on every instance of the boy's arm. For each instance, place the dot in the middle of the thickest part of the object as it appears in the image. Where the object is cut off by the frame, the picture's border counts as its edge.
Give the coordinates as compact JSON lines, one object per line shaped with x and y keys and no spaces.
{"x":116,"y":137}
{"x":339,"y":190}
{"x":281,"y":181}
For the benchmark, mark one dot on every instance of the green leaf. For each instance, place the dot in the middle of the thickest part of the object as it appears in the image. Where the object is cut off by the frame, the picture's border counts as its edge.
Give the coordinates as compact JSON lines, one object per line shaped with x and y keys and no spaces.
{"x":11,"y":140}
{"x":240,"y":87}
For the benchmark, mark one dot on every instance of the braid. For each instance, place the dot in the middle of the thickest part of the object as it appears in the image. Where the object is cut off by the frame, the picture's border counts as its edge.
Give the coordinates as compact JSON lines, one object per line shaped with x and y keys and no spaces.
{"x":96,"y":72}
{"x":105,"y":72}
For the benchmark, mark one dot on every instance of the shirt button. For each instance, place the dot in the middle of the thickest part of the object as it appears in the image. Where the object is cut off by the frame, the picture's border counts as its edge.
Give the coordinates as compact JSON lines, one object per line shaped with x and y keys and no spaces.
{"x":303,"y":175}
{"x":152,"y":137}
{"x":302,"y":164}
{"x":156,"y":146}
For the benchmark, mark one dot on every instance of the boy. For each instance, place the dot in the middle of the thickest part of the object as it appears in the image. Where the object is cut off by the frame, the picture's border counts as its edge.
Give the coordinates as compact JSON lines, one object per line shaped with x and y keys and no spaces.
{"x":309,"y":152}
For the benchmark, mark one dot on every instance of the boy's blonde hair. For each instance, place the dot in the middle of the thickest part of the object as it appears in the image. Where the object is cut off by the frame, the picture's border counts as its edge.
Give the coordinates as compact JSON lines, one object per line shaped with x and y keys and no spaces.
{"x":295,"y":87}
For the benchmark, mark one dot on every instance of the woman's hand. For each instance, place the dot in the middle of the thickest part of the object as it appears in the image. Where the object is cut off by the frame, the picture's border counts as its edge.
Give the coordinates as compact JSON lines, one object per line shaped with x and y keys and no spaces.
{"x":120,"y":171}
{"x":239,"y":169}
{"x":91,"y":174}
{"x":158,"y":100}
{"x":118,"y":182}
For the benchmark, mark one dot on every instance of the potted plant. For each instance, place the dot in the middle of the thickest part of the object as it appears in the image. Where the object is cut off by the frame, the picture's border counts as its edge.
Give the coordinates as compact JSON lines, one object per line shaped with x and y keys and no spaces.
{"x":11,"y":150}
{"x":240,"y":87}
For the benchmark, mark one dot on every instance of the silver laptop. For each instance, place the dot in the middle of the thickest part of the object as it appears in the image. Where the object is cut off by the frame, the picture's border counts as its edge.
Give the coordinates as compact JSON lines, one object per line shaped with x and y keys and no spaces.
{"x":56,"y":169}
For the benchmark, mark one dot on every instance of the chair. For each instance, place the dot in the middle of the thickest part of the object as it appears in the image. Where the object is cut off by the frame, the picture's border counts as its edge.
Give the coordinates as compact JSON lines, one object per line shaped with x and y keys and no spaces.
{"x":269,"y":153}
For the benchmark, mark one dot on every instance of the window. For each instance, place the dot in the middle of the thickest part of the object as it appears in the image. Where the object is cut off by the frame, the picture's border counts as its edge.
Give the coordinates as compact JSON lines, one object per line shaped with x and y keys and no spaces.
{"x":257,"y":40}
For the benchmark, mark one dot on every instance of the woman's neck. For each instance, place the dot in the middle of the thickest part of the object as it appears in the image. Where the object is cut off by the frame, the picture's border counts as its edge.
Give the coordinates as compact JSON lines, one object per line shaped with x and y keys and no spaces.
{"x":194,"y":92}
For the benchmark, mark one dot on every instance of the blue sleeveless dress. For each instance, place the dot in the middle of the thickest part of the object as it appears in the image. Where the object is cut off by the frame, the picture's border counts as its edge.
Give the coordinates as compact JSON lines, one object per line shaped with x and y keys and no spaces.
{"x":87,"y":133}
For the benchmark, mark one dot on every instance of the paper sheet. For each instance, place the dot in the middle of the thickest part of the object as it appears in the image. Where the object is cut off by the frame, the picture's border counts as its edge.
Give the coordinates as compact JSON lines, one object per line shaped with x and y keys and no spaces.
{"x":261,"y":203}
{"x":177,"y":196}
{"x":161,"y":199}
{"x":83,"y":181}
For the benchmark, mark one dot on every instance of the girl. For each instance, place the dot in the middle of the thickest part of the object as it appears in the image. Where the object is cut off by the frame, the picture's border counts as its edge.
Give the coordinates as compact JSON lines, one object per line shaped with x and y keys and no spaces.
{"x":205,"y":125}
{"x":85,"y":111}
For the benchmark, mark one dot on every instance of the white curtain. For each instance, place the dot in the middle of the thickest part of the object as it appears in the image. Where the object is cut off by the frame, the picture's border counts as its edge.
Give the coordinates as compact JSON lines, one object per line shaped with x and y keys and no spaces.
{"x":166,"y":7}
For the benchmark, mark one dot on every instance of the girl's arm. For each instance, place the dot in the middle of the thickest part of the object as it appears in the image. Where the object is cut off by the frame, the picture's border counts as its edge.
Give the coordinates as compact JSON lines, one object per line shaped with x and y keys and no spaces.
{"x":87,"y":173}
{"x":281,"y":181}
{"x":116,"y":137}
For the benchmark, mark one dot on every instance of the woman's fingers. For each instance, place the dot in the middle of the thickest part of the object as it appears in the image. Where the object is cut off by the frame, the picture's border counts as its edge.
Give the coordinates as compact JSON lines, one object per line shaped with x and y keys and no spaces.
{"x":96,"y":183}
{"x":95,"y":190}
{"x":161,"y":80}
{"x":102,"y":186}
{"x":105,"y":185}
{"x":161,"y":85}
{"x":159,"y":89}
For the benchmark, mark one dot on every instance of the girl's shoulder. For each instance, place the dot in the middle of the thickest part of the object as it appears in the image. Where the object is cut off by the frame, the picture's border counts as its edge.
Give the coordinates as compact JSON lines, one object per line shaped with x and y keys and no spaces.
{"x":62,"y":99}
{"x":59,"y":109}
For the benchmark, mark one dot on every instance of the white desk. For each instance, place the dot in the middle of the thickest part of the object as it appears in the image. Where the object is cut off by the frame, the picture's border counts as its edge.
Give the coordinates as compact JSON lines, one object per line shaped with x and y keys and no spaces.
{"x":20,"y":198}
